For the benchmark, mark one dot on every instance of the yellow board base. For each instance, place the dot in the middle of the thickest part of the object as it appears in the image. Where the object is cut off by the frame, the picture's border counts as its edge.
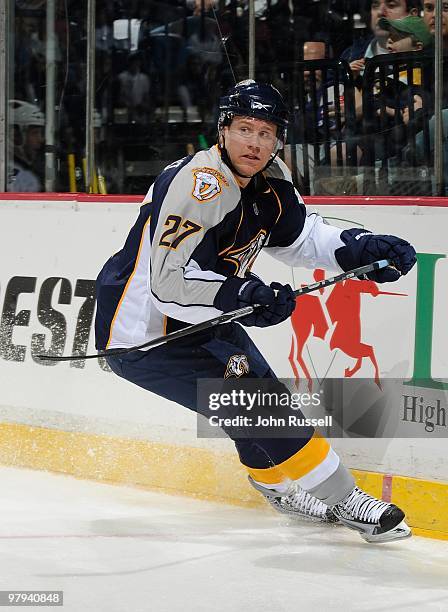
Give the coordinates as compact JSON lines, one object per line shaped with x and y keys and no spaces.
{"x":196,"y":472}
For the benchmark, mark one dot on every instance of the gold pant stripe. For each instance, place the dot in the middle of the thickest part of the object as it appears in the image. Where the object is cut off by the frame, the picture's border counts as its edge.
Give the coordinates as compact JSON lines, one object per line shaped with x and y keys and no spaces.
{"x":301,"y":463}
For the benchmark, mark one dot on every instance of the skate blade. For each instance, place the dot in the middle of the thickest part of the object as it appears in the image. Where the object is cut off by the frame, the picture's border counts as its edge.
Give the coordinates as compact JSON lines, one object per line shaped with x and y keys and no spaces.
{"x":400,"y":532}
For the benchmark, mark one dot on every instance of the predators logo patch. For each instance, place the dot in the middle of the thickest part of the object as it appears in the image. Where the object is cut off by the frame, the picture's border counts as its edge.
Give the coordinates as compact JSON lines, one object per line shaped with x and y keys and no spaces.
{"x":237,"y":366}
{"x":207,"y":183}
{"x":244,"y":257}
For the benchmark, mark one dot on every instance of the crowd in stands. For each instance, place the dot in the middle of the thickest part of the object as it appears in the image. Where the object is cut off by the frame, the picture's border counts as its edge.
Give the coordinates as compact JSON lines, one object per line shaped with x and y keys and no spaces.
{"x":161,"y":66}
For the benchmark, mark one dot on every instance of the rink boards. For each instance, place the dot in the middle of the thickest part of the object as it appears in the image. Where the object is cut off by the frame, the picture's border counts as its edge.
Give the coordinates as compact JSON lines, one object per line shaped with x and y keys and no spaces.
{"x":81,"y":419}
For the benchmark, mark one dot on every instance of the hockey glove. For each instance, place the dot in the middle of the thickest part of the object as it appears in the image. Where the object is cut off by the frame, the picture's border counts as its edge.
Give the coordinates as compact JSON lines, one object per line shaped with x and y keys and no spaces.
{"x":362,"y":247}
{"x":277,"y":302}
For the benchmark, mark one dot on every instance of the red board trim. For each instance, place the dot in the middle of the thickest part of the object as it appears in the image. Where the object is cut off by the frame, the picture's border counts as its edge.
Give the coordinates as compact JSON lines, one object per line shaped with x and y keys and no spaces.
{"x":309,"y":200}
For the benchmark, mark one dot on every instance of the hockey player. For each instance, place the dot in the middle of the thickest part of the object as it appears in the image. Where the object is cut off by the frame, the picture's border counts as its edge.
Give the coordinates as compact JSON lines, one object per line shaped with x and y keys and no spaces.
{"x":188,"y":258}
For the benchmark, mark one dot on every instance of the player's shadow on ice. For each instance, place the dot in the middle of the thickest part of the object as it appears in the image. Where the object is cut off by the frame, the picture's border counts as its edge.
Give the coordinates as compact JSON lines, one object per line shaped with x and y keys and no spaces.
{"x":394,"y":563}
{"x":310,"y":547}
{"x":231,"y":532}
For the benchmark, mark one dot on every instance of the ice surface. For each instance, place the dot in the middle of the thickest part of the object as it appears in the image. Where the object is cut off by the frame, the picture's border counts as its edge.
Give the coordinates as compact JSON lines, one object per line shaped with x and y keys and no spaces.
{"x":119,"y":549}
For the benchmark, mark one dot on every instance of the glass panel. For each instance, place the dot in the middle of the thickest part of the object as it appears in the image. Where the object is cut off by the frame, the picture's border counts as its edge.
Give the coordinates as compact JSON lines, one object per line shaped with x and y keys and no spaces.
{"x":362,"y":115}
{"x":44,"y":34}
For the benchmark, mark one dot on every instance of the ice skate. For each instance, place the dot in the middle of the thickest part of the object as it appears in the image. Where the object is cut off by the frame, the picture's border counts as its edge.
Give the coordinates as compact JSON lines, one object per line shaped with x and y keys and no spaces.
{"x":377,"y":521}
{"x":297,"y":503}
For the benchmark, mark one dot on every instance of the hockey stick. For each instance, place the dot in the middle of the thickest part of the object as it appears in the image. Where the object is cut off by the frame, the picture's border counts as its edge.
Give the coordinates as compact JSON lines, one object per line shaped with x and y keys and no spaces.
{"x":227,"y":317}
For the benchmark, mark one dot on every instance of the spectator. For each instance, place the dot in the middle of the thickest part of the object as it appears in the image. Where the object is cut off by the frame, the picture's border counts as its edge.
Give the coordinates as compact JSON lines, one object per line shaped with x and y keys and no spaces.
{"x":27,"y":140}
{"x":376,"y":43}
{"x":203,"y":58}
{"x":316,"y":50}
{"x":405,"y":35}
{"x":313,"y":90}
{"x":399,"y":111}
{"x":430,"y":19}
{"x":317,"y":126}
{"x":313,"y":50}
{"x":363,"y":49}
{"x":134,"y":90}
{"x":201,"y":6}
{"x":103,"y":32}
{"x":29,"y":58}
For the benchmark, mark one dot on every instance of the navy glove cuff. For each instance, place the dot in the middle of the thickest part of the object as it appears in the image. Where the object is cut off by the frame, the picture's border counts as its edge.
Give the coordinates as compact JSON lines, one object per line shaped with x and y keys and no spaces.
{"x":362,"y":248}
{"x":276,"y":303}
{"x":350,"y":255}
{"x":227,"y":298}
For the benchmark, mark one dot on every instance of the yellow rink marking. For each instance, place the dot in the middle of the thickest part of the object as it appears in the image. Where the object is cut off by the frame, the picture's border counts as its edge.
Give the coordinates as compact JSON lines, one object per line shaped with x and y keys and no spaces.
{"x":198,"y":472}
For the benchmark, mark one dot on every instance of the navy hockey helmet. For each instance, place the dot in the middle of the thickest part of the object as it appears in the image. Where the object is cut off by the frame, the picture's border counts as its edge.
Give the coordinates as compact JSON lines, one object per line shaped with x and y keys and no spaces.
{"x":259,"y":100}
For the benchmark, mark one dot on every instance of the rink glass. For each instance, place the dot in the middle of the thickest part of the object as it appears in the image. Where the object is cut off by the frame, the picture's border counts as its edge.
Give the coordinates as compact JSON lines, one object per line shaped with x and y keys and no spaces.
{"x":160,"y":70}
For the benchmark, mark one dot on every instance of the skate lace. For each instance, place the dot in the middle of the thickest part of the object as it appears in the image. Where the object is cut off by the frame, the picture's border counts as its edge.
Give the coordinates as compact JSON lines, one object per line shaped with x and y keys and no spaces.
{"x":306,"y":503}
{"x":363,"y":506}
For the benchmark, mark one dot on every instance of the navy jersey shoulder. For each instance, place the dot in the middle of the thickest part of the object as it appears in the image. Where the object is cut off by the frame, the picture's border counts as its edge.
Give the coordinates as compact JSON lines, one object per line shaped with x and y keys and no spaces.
{"x":291,"y":220}
{"x":112,"y":279}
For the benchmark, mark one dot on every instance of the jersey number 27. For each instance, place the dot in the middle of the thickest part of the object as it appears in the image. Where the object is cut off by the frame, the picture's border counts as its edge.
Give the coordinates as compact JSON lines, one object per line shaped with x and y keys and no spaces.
{"x":178,"y":230}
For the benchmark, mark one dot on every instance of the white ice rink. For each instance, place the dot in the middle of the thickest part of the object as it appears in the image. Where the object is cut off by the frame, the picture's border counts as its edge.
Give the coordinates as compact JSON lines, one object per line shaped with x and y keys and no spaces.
{"x":119,"y":549}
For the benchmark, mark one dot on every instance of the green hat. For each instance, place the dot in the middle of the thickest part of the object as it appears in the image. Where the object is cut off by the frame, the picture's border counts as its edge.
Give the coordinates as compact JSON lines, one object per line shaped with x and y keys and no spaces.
{"x":411,"y":25}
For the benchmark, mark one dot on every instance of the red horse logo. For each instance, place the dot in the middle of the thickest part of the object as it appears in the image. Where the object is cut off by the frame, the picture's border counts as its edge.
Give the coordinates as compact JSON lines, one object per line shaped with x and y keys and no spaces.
{"x":340,"y":312}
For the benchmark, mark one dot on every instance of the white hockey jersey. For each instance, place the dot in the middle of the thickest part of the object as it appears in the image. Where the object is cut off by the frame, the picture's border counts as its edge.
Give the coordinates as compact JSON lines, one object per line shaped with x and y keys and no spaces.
{"x":196,"y":228}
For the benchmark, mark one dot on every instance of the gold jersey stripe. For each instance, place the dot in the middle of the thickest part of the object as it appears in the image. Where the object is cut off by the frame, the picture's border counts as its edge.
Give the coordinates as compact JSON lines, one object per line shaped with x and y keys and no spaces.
{"x":297,"y":466}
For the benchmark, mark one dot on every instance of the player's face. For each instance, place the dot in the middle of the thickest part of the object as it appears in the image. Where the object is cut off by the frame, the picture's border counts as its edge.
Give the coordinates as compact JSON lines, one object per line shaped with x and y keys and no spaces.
{"x":391,"y":9}
{"x":250,"y":143}
{"x":429,"y":16}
